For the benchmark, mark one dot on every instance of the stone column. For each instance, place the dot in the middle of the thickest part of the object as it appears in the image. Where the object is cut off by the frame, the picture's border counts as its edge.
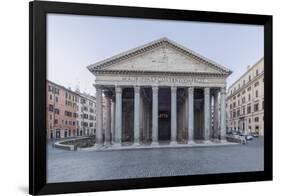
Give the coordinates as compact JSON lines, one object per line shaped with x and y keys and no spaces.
{"x":173,"y":115}
{"x":141,"y":117}
{"x":137,"y":115}
{"x":155,"y":115}
{"x":207,"y":114}
{"x":211,"y":115}
{"x":190,"y":115}
{"x":99,"y":117}
{"x":112,"y":120}
{"x":216,"y":114}
{"x":186,"y":112}
{"x":223,"y":114}
{"x":108,"y":115}
{"x":118,"y":115}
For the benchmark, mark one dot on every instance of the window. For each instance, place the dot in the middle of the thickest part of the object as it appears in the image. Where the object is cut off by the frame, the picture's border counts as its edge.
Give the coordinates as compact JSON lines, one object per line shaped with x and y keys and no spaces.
{"x":249,"y":120}
{"x":256,"y":84}
{"x":249,"y":88}
{"x":57,"y":99}
{"x":256,"y":107}
{"x":51,"y":107}
{"x":50,"y":88}
{"x":230,"y":106}
{"x":85,"y":116}
{"x":50,"y":116}
{"x":50,"y":97}
{"x":67,"y":113}
{"x":249,"y":109}
{"x":91,"y":125}
{"x":256,"y":119}
{"x":257,"y":93}
{"x":57,"y":111}
{"x":91,"y":117}
{"x":249,"y":77}
{"x":243,"y":100}
{"x":57,"y":91}
{"x":238,"y":112}
{"x":249,"y":97}
{"x":243,"y":82}
{"x":257,"y":72}
{"x":238,"y":102}
{"x":91,"y":110}
{"x":243,"y":110}
{"x":83,"y":101}
{"x":56,"y":121}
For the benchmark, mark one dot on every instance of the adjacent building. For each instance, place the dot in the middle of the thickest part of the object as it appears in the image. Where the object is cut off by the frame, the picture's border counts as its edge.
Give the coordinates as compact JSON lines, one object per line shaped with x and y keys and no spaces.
{"x":245,"y":101}
{"x":87,"y":114}
{"x":69,"y":113}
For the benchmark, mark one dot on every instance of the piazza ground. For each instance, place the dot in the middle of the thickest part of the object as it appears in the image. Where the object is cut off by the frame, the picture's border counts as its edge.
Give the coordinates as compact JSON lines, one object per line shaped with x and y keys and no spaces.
{"x":67,"y":166}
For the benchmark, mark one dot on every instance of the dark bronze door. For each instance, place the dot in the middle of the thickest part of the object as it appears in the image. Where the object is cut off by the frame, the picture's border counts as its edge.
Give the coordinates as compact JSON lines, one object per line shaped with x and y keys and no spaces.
{"x":164,"y":126}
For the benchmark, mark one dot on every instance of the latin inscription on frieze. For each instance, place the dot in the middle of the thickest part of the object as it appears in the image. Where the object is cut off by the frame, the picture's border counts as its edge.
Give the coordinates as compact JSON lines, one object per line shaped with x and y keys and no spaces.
{"x":165,"y":79}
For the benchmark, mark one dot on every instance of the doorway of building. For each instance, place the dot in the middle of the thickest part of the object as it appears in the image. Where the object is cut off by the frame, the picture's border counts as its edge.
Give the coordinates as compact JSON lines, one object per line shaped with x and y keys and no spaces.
{"x":164,"y":114}
{"x":164,"y":125}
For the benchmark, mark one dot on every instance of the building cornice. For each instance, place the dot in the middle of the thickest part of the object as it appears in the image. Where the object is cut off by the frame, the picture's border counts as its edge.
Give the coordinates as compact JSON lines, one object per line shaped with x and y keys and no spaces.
{"x":71,"y":91}
{"x":102,"y":72}
{"x":250,"y":69}
{"x":245,"y":86}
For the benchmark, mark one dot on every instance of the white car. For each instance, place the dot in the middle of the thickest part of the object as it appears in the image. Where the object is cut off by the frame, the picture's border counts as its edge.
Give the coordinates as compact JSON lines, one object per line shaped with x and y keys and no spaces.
{"x":248,"y":137}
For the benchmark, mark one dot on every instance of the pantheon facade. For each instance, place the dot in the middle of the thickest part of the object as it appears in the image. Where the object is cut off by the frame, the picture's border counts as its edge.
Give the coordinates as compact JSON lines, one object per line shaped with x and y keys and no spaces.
{"x":160,"y":92}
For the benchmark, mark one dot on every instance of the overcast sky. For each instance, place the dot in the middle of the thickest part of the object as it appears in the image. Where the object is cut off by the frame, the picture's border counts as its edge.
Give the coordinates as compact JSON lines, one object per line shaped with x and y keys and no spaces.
{"x":74,"y":42}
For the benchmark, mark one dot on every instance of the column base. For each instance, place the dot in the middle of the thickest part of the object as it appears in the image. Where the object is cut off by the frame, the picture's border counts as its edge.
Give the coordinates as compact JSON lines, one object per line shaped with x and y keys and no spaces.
{"x":173,"y":142}
{"x":107,"y":143}
{"x":136,"y":144}
{"x":207,"y":142}
{"x":155,"y":143}
{"x":117,"y":145}
{"x":191,"y":142}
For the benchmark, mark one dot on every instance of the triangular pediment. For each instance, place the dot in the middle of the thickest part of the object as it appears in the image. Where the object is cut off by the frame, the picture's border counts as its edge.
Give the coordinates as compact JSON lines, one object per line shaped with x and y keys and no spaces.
{"x":162,"y":55}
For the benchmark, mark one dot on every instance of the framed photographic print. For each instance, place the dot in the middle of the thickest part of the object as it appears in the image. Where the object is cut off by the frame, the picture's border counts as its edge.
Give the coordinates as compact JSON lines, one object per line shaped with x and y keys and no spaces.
{"x":132,"y":97}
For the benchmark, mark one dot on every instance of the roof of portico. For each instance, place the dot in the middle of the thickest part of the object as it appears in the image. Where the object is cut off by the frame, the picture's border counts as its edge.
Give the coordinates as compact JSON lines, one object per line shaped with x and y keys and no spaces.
{"x":104,"y":65}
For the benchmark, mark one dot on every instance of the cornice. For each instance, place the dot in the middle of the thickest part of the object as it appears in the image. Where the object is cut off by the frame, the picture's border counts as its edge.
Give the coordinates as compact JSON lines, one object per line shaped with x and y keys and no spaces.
{"x":229,"y":96}
{"x":104,"y":72}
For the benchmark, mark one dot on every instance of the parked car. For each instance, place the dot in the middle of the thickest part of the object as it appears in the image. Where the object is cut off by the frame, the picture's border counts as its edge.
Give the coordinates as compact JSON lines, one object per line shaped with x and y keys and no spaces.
{"x":255,"y":134}
{"x":248,"y":137}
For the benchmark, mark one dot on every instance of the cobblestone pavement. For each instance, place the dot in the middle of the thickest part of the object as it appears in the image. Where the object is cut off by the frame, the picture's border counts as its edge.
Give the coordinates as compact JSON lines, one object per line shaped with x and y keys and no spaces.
{"x":66,"y":166}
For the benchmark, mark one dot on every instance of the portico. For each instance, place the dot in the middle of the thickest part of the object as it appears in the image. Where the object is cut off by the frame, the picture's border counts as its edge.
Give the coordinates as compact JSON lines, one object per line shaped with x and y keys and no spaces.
{"x":160,"y":92}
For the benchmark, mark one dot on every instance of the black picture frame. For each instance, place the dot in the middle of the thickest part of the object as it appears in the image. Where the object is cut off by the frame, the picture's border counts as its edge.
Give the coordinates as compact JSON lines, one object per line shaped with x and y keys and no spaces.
{"x":37,"y":97}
